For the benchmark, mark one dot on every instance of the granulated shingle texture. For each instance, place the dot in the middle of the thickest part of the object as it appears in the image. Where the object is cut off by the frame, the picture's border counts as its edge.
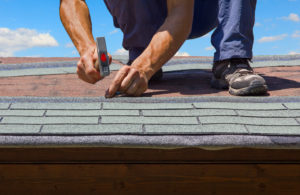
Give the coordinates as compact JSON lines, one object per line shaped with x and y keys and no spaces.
{"x":175,"y":122}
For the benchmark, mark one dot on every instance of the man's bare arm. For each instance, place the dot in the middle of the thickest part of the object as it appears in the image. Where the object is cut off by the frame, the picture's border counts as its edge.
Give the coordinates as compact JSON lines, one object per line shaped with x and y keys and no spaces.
{"x":164,"y":44}
{"x":76,"y":19}
{"x":169,"y":38}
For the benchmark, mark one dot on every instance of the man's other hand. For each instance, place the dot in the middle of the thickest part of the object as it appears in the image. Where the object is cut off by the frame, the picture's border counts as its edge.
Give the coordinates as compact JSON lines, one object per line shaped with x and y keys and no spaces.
{"x":129,"y":81}
{"x":86,"y":66}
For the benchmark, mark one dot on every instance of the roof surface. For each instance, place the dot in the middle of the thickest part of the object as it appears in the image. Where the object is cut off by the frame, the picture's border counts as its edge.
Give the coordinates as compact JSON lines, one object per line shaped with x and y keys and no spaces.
{"x":52,"y":107}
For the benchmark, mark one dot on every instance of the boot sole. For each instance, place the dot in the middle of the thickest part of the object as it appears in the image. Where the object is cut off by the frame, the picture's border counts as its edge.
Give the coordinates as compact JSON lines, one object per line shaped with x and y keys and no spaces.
{"x":254,"y":89}
{"x":251,"y":90}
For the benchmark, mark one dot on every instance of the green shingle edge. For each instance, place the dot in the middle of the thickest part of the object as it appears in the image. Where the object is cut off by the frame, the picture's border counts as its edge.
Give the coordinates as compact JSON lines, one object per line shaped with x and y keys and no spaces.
{"x":19,"y":129}
{"x":194,"y":112}
{"x":293,"y":106}
{"x":148,"y":120}
{"x":92,"y":113}
{"x":274,"y":130}
{"x":135,"y":106}
{"x":45,"y":71}
{"x":248,"y":120}
{"x":187,"y":99}
{"x":49,"y":120}
{"x":57,"y":106}
{"x":22,"y":112}
{"x":240,"y":106}
{"x":195,"y":129}
{"x":92,"y":129}
{"x":270,"y":114}
{"x":4,"y":105}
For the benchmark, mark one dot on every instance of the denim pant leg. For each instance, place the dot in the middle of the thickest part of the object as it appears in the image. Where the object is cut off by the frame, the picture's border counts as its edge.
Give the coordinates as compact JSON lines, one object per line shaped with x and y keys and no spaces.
{"x":233,"y":37}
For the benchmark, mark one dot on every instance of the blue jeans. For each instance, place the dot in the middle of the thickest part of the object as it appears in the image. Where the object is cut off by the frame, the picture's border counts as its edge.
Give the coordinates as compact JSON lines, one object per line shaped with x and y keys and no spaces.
{"x":233,"y":21}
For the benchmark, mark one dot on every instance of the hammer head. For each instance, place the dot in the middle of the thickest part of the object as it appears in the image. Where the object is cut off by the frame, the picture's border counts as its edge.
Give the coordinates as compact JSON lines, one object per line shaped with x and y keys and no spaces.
{"x":102,"y":57}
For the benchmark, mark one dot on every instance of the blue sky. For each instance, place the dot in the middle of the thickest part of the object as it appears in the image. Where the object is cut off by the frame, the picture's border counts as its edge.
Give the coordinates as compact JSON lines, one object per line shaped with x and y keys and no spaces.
{"x":33,"y":28}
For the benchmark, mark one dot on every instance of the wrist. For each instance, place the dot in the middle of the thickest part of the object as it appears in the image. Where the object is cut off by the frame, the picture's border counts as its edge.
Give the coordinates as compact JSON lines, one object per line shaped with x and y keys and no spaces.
{"x":87,"y":49}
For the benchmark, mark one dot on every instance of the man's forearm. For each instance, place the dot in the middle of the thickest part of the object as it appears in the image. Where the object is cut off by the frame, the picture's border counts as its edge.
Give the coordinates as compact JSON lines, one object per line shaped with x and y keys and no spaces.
{"x":167,"y":40}
{"x":75,"y":17}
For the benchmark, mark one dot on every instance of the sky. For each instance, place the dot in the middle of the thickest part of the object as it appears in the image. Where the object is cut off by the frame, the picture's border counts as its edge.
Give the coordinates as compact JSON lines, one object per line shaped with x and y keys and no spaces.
{"x":32,"y":28}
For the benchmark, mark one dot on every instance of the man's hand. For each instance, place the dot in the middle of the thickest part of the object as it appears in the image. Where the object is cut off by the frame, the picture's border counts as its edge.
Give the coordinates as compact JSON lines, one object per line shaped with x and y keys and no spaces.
{"x":129,"y":81}
{"x":86,"y":66}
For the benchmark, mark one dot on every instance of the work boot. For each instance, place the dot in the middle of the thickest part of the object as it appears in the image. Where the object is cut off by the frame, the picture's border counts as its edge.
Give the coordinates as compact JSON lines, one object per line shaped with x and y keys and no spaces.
{"x":239,"y":77}
{"x":156,"y":77}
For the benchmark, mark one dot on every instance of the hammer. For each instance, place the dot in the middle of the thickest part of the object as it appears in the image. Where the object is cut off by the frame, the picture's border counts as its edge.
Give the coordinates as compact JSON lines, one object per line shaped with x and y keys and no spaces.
{"x":103,"y":58}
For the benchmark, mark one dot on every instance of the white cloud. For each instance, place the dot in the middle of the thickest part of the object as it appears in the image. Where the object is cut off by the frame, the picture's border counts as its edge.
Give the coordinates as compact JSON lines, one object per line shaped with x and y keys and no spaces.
{"x":292,"y":17}
{"x":12,"y":41}
{"x":121,"y":52}
{"x":272,"y":38}
{"x":257,"y":24}
{"x":296,"y":34}
{"x":114,"y":31}
{"x":210,"y":48}
{"x":293,"y":53}
{"x":182,"y":54}
{"x":69,"y":45}
{"x":75,"y":52}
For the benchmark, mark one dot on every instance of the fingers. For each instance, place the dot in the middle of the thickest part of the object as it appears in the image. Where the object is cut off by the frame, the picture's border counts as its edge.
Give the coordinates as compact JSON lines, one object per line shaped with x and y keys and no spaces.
{"x":128,"y":81}
{"x":116,"y":83}
{"x":133,"y":87}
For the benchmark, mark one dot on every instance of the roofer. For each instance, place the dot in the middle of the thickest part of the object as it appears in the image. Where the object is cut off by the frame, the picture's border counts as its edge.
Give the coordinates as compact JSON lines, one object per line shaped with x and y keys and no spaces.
{"x":154,"y":30}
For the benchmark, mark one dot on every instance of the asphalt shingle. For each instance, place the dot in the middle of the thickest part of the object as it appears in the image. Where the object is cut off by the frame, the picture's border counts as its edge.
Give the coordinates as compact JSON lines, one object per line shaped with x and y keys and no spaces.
{"x":278,"y":113}
{"x":274,"y":130}
{"x":92,"y":129}
{"x":137,"y":106}
{"x":19,"y":129}
{"x":293,"y":106}
{"x":50,"y":120}
{"x":92,"y":113}
{"x":149,"y":120}
{"x":4,"y":105}
{"x":57,"y":106}
{"x":198,"y":112}
{"x":195,"y":129}
{"x":240,"y":106}
{"x":247,"y":120}
{"x":22,"y":112}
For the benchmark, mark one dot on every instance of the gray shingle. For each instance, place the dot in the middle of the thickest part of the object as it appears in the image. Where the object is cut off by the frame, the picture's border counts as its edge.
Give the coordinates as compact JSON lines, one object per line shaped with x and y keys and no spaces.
{"x":92,"y":113}
{"x":149,"y":120}
{"x":50,"y":120}
{"x":4,"y":105}
{"x":38,"y":71}
{"x":137,"y":106}
{"x":247,"y":120}
{"x":277,"y":113}
{"x":274,"y":130}
{"x":195,"y":129}
{"x":241,"y":106}
{"x":293,"y":106}
{"x":57,"y":106}
{"x":92,"y":129}
{"x":30,"y":71}
{"x":19,"y":129}
{"x":21,"y":112}
{"x":198,"y":112}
